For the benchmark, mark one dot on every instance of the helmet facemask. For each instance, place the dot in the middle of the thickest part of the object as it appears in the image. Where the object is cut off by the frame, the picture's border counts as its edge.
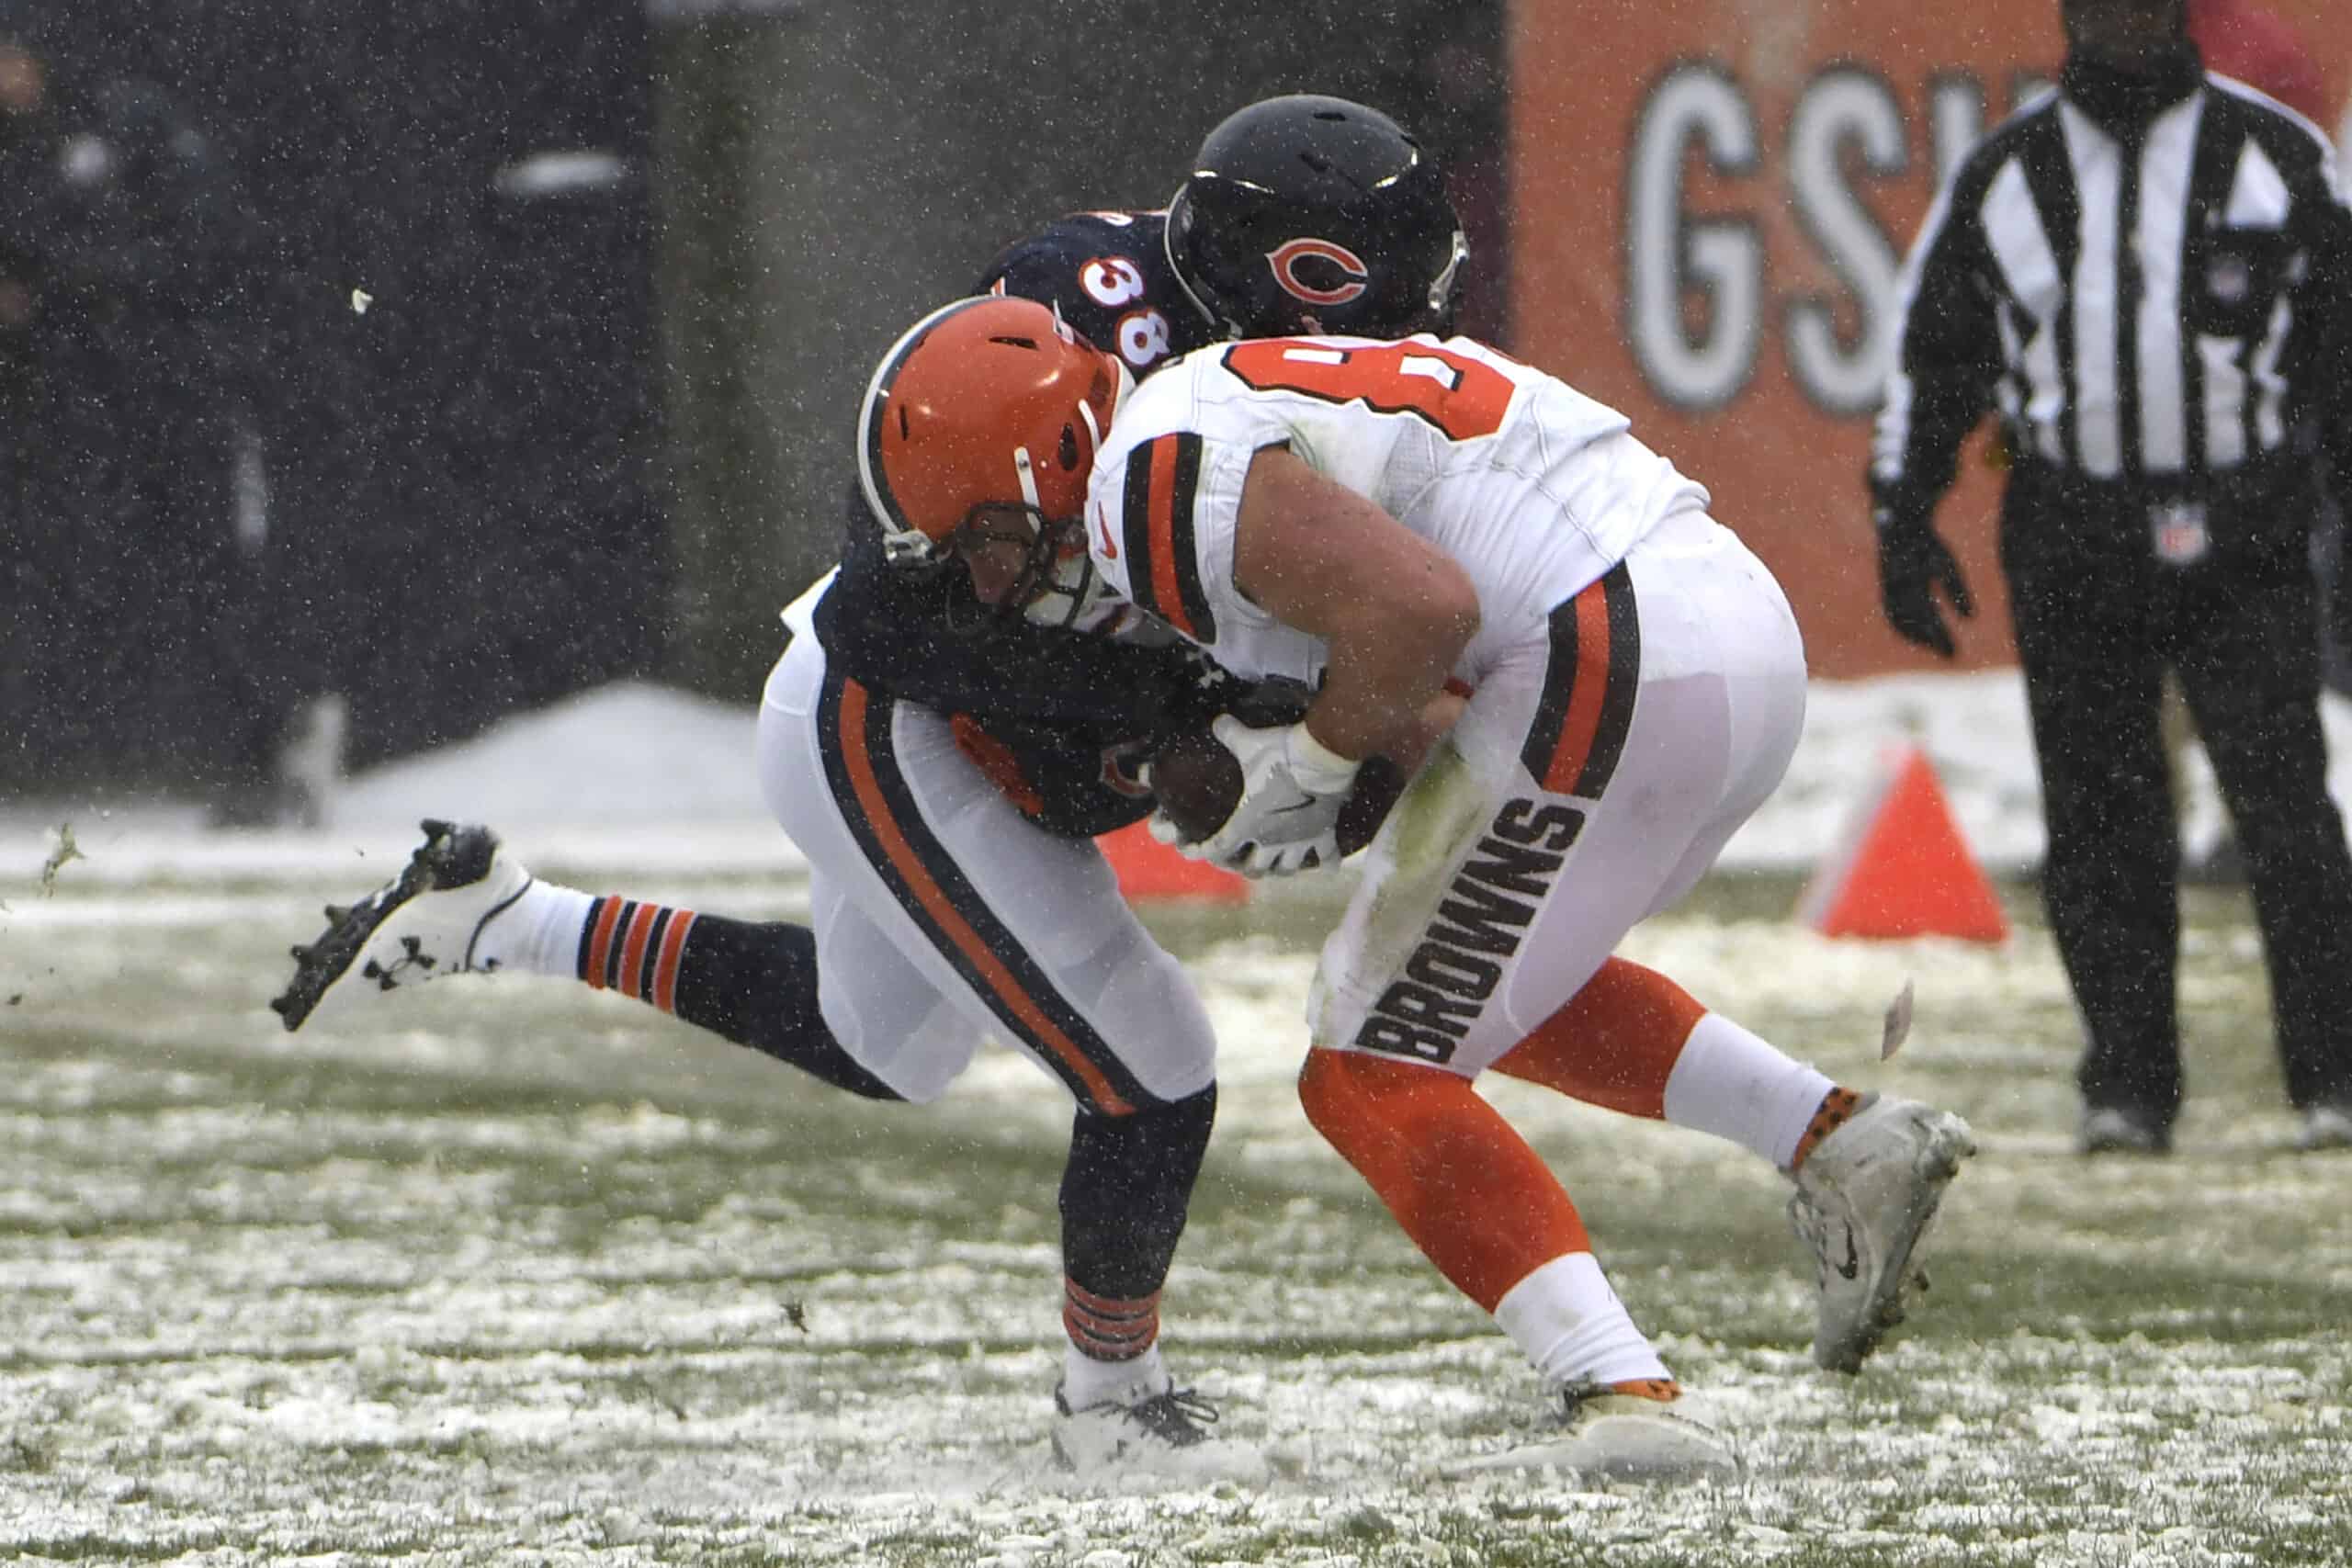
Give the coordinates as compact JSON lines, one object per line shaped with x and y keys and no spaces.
{"x":1055,"y":585}
{"x":1060,"y":588}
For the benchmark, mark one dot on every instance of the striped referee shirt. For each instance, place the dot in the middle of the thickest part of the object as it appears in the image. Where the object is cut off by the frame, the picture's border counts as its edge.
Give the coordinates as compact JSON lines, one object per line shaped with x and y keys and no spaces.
{"x":2153,"y":313}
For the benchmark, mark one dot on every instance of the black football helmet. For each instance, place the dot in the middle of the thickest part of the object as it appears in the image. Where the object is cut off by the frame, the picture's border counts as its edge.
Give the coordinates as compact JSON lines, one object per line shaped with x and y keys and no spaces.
{"x":1311,"y":214}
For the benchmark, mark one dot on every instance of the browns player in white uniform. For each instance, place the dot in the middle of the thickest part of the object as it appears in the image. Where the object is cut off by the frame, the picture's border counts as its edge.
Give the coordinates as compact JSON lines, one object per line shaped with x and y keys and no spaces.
{"x":1426,"y":528}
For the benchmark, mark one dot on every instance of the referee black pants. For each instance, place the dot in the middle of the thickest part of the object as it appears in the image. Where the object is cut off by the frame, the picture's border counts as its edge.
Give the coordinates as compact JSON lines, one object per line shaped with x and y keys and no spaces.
{"x":2098,"y":619}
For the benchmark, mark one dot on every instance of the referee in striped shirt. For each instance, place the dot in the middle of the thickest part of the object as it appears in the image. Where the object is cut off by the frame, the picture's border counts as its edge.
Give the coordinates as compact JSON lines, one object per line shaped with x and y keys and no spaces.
{"x":2147,"y":274}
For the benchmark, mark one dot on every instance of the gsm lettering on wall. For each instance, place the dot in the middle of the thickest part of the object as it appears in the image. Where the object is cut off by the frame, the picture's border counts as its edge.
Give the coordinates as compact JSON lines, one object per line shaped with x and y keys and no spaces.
{"x":1710,"y":200}
{"x":1700,"y":295}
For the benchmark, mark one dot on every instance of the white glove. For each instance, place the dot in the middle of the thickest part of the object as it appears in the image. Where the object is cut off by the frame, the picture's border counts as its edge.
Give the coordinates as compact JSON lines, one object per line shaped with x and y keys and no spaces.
{"x":1288,"y":817}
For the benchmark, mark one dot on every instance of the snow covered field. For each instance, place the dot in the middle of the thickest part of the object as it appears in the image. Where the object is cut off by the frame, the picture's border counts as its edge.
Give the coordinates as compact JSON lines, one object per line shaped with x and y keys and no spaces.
{"x":505,"y":1271}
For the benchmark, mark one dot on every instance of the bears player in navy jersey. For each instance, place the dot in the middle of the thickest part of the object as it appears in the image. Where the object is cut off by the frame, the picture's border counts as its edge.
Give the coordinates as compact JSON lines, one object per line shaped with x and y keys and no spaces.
{"x":943,"y":767}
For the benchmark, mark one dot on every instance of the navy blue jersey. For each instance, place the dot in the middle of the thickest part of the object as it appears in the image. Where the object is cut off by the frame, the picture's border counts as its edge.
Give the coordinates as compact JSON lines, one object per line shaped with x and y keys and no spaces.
{"x":1070,"y":708}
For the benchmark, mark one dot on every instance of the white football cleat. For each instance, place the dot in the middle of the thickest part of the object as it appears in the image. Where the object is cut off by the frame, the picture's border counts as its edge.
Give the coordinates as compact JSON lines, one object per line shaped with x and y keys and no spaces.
{"x":1613,"y":1435}
{"x":1863,"y":1197}
{"x":1166,"y":1434}
{"x":426,"y":923}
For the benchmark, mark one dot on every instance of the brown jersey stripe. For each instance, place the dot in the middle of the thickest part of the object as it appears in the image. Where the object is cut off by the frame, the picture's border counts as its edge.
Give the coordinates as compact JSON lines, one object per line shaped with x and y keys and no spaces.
{"x":1589,"y":688}
{"x":1026,"y":1004}
{"x":1163,"y":563}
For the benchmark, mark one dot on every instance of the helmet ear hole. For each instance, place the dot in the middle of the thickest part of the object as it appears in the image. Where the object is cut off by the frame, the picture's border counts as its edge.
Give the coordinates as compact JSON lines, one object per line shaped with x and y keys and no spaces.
{"x":1069,"y":453}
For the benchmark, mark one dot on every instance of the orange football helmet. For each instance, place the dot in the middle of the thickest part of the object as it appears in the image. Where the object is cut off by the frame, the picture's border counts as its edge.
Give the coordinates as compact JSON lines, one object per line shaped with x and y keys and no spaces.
{"x":990,"y":403}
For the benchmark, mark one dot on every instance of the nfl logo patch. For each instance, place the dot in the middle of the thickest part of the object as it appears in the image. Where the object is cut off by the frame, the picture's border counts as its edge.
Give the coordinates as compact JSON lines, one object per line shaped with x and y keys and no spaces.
{"x":2178,"y":530}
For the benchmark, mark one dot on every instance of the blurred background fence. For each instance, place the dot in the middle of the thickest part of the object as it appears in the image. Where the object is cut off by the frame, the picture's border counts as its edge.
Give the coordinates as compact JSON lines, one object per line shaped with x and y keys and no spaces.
{"x":453,"y":355}
{"x":450,"y":356}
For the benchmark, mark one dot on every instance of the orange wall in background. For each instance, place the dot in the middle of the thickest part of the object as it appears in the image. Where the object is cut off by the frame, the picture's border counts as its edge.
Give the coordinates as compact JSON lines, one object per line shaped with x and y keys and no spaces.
{"x":1708,"y":199}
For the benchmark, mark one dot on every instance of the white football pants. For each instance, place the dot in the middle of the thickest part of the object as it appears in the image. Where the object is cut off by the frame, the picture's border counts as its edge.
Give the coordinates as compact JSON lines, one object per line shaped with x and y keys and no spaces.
{"x":943,"y":915}
{"x":1597,"y":772}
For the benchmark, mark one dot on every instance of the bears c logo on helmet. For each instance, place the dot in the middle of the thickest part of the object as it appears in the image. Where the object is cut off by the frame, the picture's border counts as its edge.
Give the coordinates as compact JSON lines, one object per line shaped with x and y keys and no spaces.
{"x":1349,"y":265}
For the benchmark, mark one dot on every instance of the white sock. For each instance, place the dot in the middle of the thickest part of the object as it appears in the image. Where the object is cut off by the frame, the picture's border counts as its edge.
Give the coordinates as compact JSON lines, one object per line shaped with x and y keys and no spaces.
{"x":539,"y":933}
{"x":1737,"y":1085}
{"x":1086,"y":1381}
{"x":1572,"y":1326}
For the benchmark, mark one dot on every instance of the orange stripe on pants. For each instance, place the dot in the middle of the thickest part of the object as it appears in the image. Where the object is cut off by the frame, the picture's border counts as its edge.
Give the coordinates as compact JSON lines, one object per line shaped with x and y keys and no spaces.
{"x":1461,"y":1182}
{"x":1616,"y":1043}
{"x":1582,"y":726}
{"x":944,"y":913}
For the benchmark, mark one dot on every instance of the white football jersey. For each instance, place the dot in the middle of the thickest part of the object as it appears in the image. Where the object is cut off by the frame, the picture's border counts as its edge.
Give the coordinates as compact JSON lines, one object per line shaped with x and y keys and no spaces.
{"x":1533,"y":488}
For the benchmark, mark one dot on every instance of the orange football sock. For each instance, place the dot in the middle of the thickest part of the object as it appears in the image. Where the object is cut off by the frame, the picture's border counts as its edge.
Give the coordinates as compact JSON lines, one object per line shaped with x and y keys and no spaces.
{"x":1477,"y":1201}
{"x":1616,"y":1043}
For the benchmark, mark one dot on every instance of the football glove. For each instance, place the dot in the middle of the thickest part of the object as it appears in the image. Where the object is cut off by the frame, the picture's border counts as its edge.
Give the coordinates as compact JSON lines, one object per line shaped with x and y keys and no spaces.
{"x":1287,"y":819}
{"x":1913,"y":563}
